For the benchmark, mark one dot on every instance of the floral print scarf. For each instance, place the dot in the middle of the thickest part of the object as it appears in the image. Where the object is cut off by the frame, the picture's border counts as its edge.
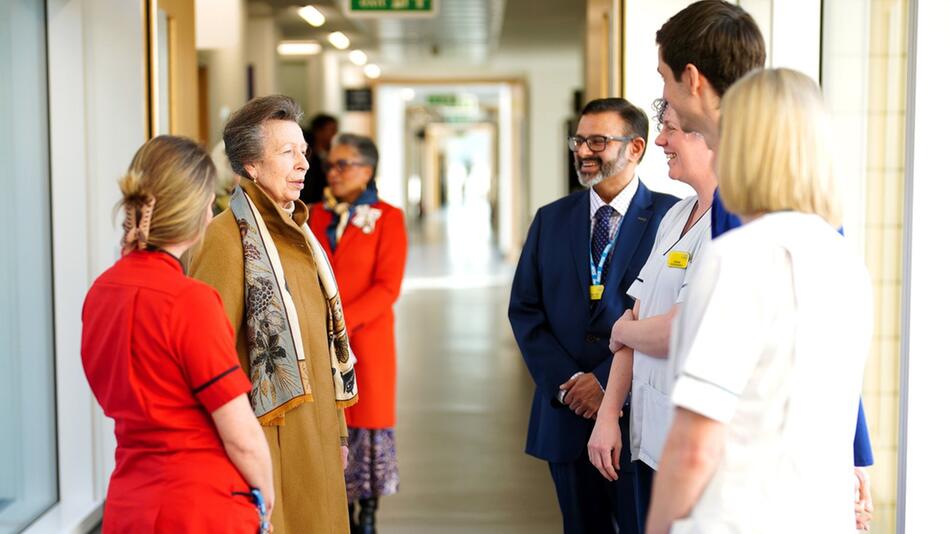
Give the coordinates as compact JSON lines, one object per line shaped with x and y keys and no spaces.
{"x":360,"y":213}
{"x":278,"y":363}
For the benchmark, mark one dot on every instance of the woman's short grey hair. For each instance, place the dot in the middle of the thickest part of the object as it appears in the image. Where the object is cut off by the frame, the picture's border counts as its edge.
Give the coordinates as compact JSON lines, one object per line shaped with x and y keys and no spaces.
{"x":244,"y":132}
{"x":363,"y":145}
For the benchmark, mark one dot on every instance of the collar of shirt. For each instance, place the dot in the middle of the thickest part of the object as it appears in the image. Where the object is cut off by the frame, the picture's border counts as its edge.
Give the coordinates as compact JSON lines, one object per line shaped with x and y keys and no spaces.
{"x":620,"y":203}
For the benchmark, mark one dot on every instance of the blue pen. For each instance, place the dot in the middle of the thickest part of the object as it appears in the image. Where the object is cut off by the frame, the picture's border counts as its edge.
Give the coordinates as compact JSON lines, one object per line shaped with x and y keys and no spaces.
{"x":261,"y":509}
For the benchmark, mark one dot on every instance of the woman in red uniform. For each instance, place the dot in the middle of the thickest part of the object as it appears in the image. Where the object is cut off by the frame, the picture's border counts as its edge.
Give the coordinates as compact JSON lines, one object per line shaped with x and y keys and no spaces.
{"x":366,"y":241}
{"x":159,"y":355}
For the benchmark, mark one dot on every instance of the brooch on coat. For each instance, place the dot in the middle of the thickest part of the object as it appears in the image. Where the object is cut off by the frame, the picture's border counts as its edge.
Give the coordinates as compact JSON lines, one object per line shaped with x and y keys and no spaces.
{"x":365,"y":217}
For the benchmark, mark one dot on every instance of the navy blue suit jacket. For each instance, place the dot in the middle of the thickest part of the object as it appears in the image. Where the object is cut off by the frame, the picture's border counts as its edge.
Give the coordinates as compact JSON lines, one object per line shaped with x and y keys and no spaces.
{"x":551,"y":316}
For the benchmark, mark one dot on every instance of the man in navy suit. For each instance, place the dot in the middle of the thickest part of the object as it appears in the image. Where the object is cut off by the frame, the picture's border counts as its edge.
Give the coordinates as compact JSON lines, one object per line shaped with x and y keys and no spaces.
{"x":581,"y":254}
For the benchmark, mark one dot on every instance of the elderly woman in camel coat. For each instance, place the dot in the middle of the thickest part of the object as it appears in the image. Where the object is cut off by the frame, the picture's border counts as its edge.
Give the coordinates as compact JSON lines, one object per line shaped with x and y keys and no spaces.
{"x":280,"y":296}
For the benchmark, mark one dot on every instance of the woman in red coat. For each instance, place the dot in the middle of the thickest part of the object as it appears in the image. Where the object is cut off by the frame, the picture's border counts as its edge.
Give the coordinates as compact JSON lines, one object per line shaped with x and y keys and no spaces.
{"x":366,"y":241}
{"x":159,"y":355}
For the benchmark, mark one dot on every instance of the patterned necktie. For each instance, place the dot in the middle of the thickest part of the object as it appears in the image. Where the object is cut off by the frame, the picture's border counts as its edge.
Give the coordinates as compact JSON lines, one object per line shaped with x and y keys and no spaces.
{"x":600,"y":238}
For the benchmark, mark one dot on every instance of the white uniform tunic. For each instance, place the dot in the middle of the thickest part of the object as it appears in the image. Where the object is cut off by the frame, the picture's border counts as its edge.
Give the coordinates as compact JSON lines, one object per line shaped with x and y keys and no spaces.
{"x":771,"y":341}
{"x":661,"y":284}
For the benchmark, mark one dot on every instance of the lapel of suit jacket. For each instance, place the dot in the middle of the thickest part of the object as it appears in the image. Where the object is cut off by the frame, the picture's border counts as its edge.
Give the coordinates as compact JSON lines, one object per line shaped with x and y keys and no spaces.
{"x":629,"y":235}
{"x":580,"y":241}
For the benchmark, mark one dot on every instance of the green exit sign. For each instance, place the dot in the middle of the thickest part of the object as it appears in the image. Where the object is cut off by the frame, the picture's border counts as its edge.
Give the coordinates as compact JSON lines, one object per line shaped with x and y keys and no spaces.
{"x":442,"y":100}
{"x":386,"y":8}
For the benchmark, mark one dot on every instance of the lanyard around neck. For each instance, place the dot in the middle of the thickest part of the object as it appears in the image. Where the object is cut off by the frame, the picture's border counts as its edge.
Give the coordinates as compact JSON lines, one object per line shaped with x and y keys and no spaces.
{"x":597,"y":271}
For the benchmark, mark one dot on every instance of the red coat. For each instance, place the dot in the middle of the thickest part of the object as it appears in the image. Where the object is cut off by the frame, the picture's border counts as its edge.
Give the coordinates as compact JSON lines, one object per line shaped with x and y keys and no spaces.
{"x":159,"y":355}
{"x":369,"y":268}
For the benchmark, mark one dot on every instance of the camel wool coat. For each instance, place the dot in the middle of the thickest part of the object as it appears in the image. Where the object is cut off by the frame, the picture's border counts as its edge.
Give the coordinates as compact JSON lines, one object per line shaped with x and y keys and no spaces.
{"x":305,"y":450}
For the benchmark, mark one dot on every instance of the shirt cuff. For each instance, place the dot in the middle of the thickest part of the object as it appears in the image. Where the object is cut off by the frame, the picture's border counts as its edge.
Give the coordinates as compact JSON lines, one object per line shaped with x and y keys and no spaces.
{"x":561,"y":393}
{"x":705,"y":398}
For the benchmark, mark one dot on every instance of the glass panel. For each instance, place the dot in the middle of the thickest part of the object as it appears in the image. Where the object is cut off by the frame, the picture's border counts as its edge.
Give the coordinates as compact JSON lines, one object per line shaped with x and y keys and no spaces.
{"x":28,"y":469}
{"x":864,"y":74}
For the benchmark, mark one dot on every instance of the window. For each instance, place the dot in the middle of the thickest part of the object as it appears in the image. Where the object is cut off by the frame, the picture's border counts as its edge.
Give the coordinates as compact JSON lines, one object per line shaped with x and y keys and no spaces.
{"x":28,"y":465}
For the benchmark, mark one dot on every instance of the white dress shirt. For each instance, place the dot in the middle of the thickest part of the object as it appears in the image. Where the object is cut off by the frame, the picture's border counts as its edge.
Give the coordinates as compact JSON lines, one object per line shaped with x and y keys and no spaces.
{"x":620,"y":204}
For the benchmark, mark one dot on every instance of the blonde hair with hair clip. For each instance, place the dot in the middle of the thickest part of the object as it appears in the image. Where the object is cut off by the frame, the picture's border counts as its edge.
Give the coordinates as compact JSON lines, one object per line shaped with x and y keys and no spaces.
{"x":165,"y":193}
{"x":775,"y":147}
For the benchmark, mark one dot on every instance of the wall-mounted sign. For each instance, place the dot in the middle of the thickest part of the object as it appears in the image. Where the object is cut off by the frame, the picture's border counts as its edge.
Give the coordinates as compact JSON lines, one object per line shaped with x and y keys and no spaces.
{"x":359,"y":99}
{"x":390,"y":8}
{"x":442,"y":100}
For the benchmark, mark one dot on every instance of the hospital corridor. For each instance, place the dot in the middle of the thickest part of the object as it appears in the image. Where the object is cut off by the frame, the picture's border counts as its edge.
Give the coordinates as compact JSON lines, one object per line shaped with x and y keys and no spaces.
{"x":462,"y":393}
{"x":472,"y":266}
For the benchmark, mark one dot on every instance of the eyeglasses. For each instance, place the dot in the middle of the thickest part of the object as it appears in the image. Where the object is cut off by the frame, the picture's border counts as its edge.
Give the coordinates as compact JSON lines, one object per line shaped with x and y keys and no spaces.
{"x":596,"y":143}
{"x":342,"y":165}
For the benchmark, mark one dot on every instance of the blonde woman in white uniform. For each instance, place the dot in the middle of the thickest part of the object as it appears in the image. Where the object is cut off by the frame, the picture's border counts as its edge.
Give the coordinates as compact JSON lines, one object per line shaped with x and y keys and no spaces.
{"x":768,"y":350}
{"x":640,"y":338}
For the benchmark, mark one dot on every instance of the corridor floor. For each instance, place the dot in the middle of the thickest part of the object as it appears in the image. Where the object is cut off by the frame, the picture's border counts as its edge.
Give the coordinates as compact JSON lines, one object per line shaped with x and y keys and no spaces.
{"x":463,"y":394}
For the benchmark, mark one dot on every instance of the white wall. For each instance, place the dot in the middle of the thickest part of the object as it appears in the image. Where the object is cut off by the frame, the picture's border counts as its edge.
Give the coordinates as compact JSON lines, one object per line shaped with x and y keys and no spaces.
{"x":260,"y":45}
{"x":226,"y":63}
{"x":215,"y":21}
{"x":642,"y":84}
{"x":552,"y":77}
{"x":391,"y":117}
{"x":845,"y":62}
{"x":292,"y":81}
{"x":324,"y":79}
{"x":792,"y":32}
{"x":314,"y":82}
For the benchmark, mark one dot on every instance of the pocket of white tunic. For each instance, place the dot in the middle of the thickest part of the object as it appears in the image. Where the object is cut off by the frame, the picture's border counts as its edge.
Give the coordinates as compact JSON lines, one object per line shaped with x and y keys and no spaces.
{"x":657,"y":415}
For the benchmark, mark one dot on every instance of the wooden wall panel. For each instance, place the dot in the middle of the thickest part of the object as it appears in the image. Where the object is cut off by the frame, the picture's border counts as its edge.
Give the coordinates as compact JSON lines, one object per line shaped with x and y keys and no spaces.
{"x":182,"y":64}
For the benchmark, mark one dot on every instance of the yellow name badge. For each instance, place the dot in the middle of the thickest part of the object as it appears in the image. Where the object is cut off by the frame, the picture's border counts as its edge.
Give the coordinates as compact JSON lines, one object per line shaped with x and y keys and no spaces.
{"x":678,"y":259}
{"x":596,"y":292}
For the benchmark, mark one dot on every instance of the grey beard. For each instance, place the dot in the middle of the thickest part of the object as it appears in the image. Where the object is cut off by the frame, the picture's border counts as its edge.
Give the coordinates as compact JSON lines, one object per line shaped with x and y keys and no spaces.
{"x":607,"y":169}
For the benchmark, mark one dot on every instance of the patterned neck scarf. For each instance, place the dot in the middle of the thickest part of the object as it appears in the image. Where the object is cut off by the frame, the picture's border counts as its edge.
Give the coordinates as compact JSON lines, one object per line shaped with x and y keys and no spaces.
{"x":343,"y":212}
{"x":278,"y":364}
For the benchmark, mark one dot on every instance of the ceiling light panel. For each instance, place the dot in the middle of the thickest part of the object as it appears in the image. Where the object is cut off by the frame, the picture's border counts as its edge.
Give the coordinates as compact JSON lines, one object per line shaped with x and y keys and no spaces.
{"x":372,"y":71}
{"x":312,"y":15}
{"x":358,"y":57}
{"x":298,"y":48}
{"x":339,"y":40}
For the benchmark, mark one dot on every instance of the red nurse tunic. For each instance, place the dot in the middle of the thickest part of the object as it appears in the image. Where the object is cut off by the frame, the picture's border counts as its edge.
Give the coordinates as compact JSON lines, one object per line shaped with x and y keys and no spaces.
{"x":159,"y":355}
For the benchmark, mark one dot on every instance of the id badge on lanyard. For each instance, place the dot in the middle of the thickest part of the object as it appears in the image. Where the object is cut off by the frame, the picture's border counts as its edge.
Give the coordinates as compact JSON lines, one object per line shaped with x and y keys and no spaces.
{"x":597,"y":272}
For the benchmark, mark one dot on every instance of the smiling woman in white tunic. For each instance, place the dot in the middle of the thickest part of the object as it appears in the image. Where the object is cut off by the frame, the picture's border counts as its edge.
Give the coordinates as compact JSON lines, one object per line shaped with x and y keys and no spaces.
{"x":768,"y":350}
{"x":640,"y":337}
